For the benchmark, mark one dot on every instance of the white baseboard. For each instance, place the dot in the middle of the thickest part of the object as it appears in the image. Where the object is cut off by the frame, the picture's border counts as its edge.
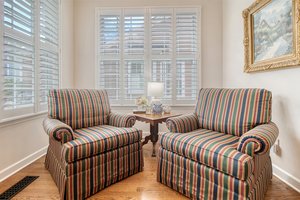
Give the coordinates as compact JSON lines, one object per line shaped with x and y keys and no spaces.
{"x":286,"y":177}
{"x":9,"y":171}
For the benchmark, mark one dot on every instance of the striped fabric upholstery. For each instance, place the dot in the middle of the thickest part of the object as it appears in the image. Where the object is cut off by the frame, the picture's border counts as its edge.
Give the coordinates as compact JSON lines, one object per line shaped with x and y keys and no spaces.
{"x":213,"y":149}
{"x":228,"y":155}
{"x":90,"y":148}
{"x":198,"y":181}
{"x":58,"y":130}
{"x":233,"y":111}
{"x":258,"y":140}
{"x":183,"y":123}
{"x":121,"y":120}
{"x":86,"y":177}
{"x":79,"y":108}
{"x":98,"y":139}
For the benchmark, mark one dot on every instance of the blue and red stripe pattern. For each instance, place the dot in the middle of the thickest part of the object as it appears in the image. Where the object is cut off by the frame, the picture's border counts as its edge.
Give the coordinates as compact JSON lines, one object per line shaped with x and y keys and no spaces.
{"x":79,"y":108}
{"x":183,"y":124}
{"x":81,"y":179}
{"x":211,"y":148}
{"x":198,"y":181}
{"x":233,"y":111}
{"x":121,"y":120}
{"x":85,"y":153}
{"x":228,"y":156}
{"x":258,"y":140}
{"x":58,"y":130}
{"x":98,"y":139}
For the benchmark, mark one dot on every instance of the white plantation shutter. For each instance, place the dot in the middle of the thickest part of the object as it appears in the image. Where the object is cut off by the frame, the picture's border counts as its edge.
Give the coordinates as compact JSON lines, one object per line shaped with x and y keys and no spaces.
{"x":134,"y":79}
{"x":186,"y":79}
{"x":29,"y":55}
{"x":134,"y":34}
{"x":162,"y":49}
{"x":18,"y":57}
{"x":49,"y":48}
{"x":161,"y":32}
{"x":109,"y":76}
{"x":186,"y":54}
{"x":49,"y":73}
{"x":109,"y":35}
{"x":133,"y":53}
{"x":135,"y":46}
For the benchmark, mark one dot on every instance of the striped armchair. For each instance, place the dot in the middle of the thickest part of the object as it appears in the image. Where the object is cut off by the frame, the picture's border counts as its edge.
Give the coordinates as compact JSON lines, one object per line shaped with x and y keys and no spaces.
{"x":221,"y":151}
{"x":90,"y":147}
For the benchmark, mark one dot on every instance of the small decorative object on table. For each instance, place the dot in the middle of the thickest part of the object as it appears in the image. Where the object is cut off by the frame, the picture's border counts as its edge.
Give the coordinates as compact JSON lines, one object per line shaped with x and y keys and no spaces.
{"x":167,"y":109}
{"x":148,"y":110}
{"x":142,"y":103}
{"x":157,"y":108}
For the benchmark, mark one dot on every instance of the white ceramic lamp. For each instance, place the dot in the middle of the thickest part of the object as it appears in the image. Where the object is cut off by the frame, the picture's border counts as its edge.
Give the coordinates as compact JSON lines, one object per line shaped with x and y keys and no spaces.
{"x":156,"y":90}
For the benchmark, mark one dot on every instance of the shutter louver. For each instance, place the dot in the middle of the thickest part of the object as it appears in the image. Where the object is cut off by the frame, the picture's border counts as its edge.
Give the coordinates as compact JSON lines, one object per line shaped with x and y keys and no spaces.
{"x":109,"y":35}
{"x":18,"y":55}
{"x":109,"y":50}
{"x":49,"y":21}
{"x":186,"y":56}
{"x":49,"y":73}
{"x":110,"y":78}
{"x":161,"y":34}
{"x":49,"y":49}
{"x":186,"y":76}
{"x":161,"y":49}
{"x":18,"y":15}
{"x":133,"y":54}
{"x":134,"y":79}
{"x":186,"y":33}
{"x":134,"y":34}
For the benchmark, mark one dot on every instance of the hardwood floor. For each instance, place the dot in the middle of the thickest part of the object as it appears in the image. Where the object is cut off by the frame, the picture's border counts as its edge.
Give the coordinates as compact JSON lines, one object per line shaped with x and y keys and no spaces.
{"x":140,"y":186}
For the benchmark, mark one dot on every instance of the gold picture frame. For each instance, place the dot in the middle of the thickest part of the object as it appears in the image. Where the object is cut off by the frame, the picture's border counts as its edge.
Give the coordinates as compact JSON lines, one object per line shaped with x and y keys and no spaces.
{"x":271,"y":35}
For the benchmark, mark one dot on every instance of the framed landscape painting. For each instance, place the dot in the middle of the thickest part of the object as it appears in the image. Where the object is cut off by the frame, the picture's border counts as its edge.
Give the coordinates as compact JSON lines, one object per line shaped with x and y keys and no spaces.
{"x":271,"y":35}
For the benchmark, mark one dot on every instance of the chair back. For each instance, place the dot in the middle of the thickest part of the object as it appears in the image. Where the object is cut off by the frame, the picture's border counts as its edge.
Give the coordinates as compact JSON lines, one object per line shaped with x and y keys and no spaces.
{"x":233,"y":111}
{"x":79,"y":108}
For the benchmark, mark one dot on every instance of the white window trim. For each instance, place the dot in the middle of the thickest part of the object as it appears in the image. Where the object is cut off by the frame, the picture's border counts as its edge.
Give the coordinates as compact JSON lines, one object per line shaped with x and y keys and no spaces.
{"x":147,"y":62}
{"x":38,"y":110}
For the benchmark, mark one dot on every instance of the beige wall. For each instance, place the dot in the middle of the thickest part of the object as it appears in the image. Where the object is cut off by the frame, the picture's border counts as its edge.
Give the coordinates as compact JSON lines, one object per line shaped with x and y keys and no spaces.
{"x":67,"y":44}
{"x":24,"y":141}
{"x":284,"y":85}
{"x":85,"y":37}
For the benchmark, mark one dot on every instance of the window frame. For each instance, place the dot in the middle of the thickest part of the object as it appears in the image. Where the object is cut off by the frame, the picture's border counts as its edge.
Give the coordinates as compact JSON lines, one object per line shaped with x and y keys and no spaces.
{"x":148,"y":54}
{"x":18,"y":114}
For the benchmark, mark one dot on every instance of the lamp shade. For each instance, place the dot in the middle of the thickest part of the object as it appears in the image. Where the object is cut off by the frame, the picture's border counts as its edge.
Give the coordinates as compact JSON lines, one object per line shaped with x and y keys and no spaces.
{"x":155,"y":89}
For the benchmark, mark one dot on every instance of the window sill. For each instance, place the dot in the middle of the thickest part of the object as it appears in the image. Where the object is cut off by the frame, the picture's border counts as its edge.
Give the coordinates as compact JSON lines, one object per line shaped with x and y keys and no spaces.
{"x":21,"y":119}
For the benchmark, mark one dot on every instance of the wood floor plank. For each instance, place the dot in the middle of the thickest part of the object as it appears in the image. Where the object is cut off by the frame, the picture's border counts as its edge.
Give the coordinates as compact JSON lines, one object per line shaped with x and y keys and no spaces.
{"x":140,"y":186}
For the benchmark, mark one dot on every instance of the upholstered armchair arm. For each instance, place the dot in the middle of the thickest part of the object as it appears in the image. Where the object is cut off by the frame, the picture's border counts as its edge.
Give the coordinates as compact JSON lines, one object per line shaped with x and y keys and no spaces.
{"x":121,"y":120}
{"x":183,"y":124}
{"x":58,"y":130}
{"x":258,"y":140}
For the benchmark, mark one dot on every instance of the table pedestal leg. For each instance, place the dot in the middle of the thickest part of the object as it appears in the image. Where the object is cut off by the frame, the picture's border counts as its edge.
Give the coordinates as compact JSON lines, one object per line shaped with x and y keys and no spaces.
{"x":154,"y":137}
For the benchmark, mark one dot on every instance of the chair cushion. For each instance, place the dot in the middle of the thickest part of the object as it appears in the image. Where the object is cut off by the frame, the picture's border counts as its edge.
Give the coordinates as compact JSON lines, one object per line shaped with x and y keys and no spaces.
{"x":98,"y":139}
{"x":79,"y":108}
{"x":233,"y":111}
{"x":211,"y":148}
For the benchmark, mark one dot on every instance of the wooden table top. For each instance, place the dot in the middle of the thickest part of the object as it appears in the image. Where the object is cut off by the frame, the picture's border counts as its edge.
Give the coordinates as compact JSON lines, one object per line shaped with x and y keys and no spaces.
{"x":155,"y":118}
